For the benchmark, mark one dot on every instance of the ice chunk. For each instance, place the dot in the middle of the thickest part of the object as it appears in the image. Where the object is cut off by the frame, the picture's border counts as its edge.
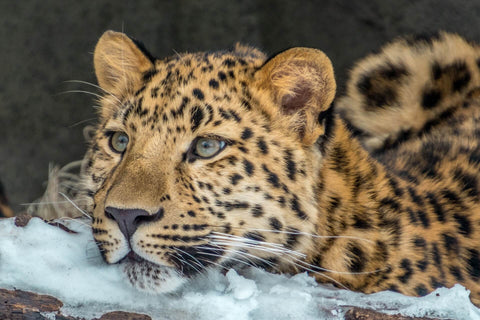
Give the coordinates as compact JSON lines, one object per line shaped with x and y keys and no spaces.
{"x":242,"y":288}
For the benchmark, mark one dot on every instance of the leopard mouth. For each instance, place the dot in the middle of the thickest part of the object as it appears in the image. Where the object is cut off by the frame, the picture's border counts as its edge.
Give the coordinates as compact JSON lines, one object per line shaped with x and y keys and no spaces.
{"x":185,"y":263}
{"x":151,"y":277}
{"x":132,"y":257}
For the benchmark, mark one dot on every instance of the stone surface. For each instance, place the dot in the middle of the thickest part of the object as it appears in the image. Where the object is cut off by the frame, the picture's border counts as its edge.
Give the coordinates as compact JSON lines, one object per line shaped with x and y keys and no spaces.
{"x":365,"y":314}
{"x":22,"y":305}
{"x":45,"y":43}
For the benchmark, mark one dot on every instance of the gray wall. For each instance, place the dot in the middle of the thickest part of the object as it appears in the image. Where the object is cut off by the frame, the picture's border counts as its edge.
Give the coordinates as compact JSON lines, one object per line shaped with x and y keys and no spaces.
{"x":45,"y":43}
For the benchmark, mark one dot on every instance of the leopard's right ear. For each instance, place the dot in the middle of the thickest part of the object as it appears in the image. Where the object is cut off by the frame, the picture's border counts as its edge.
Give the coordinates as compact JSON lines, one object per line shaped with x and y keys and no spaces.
{"x":120,"y":63}
{"x":302,"y":84}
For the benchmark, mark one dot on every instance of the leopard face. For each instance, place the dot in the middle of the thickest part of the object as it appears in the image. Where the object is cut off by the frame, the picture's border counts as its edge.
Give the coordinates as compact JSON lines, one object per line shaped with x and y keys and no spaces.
{"x":205,"y":159}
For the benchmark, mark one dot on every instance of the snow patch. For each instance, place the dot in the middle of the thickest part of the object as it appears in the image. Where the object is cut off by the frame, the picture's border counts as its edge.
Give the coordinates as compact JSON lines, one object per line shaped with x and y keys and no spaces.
{"x":240,"y":287}
{"x":48,"y":260}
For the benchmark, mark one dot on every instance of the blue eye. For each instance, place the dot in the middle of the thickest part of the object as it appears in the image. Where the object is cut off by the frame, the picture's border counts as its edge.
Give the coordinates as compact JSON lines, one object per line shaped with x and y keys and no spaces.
{"x":208,"y":147}
{"x":119,"y":141}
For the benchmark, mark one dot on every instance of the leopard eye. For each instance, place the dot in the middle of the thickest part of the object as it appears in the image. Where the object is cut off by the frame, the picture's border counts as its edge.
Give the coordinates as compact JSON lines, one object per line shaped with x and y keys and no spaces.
{"x":119,"y":141}
{"x":208,"y":147}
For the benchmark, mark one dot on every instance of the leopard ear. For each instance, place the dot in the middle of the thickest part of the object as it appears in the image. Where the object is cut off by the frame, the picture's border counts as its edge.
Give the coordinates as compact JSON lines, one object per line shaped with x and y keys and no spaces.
{"x":120,"y":63}
{"x":302,"y":85}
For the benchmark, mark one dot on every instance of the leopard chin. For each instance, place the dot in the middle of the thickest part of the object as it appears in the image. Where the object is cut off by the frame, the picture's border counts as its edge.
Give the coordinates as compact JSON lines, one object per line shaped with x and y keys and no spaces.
{"x":152,"y":278}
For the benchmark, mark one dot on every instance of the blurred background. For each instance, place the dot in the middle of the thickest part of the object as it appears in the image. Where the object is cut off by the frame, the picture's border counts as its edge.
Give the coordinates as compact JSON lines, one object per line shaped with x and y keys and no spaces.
{"x":46,"y":43}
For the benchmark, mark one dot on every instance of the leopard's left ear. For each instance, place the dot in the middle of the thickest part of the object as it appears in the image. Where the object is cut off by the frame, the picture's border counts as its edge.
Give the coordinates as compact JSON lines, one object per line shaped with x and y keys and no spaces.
{"x":302,"y":85}
{"x":120,"y":63}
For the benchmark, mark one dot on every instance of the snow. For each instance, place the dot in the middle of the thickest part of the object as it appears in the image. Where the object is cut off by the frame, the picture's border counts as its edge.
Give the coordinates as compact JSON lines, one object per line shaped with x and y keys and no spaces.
{"x":48,"y":260}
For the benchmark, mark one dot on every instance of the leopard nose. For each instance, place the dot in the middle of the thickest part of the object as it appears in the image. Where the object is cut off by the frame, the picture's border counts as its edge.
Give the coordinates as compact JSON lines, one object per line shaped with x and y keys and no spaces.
{"x":128,"y":220}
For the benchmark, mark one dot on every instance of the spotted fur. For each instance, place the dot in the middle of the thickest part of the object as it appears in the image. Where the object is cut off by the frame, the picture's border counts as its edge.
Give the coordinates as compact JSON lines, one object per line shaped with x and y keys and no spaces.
{"x":354,"y":201}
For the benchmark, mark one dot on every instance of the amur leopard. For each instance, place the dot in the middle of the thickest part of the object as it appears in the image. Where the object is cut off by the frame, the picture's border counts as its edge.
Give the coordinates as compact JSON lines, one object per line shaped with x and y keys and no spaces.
{"x":230,"y":159}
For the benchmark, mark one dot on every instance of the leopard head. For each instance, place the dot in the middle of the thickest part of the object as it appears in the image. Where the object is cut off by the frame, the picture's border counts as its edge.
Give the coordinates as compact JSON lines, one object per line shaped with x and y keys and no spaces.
{"x":205,"y":159}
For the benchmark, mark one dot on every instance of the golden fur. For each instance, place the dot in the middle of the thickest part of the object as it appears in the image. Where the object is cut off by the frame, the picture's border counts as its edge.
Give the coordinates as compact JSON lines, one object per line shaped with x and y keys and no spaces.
{"x":383,"y":197}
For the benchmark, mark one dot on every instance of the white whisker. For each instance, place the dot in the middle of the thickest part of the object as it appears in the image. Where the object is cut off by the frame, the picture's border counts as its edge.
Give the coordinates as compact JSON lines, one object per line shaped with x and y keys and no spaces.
{"x":96,"y":86}
{"x":188,"y":254}
{"x":245,"y":254}
{"x":177,"y":54}
{"x":80,"y":222}
{"x":75,"y":205}
{"x":240,"y":242}
{"x":234,"y":259}
{"x":266,"y":246}
{"x":82,"y":91}
{"x":248,"y":262}
{"x":214,"y":263}
{"x":185,"y":262}
{"x":49,"y":202}
{"x":82,"y":121}
{"x":310,"y":234}
{"x":260,"y":248}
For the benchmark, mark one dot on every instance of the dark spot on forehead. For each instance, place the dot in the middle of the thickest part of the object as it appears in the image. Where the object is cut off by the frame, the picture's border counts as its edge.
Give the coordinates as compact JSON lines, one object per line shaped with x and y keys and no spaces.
{"x":222,"y":76}
{"x":213,"y":83}
{"x":198,"y":94}
{"x":224,"y":114}
{"x":235,"y":115}
{"x":196,"y":117}
{"x":246,"y":134}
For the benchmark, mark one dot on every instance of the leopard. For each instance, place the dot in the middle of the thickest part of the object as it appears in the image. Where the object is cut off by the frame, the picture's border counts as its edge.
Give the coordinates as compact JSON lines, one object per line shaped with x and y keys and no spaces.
{"x":232,"y":159}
